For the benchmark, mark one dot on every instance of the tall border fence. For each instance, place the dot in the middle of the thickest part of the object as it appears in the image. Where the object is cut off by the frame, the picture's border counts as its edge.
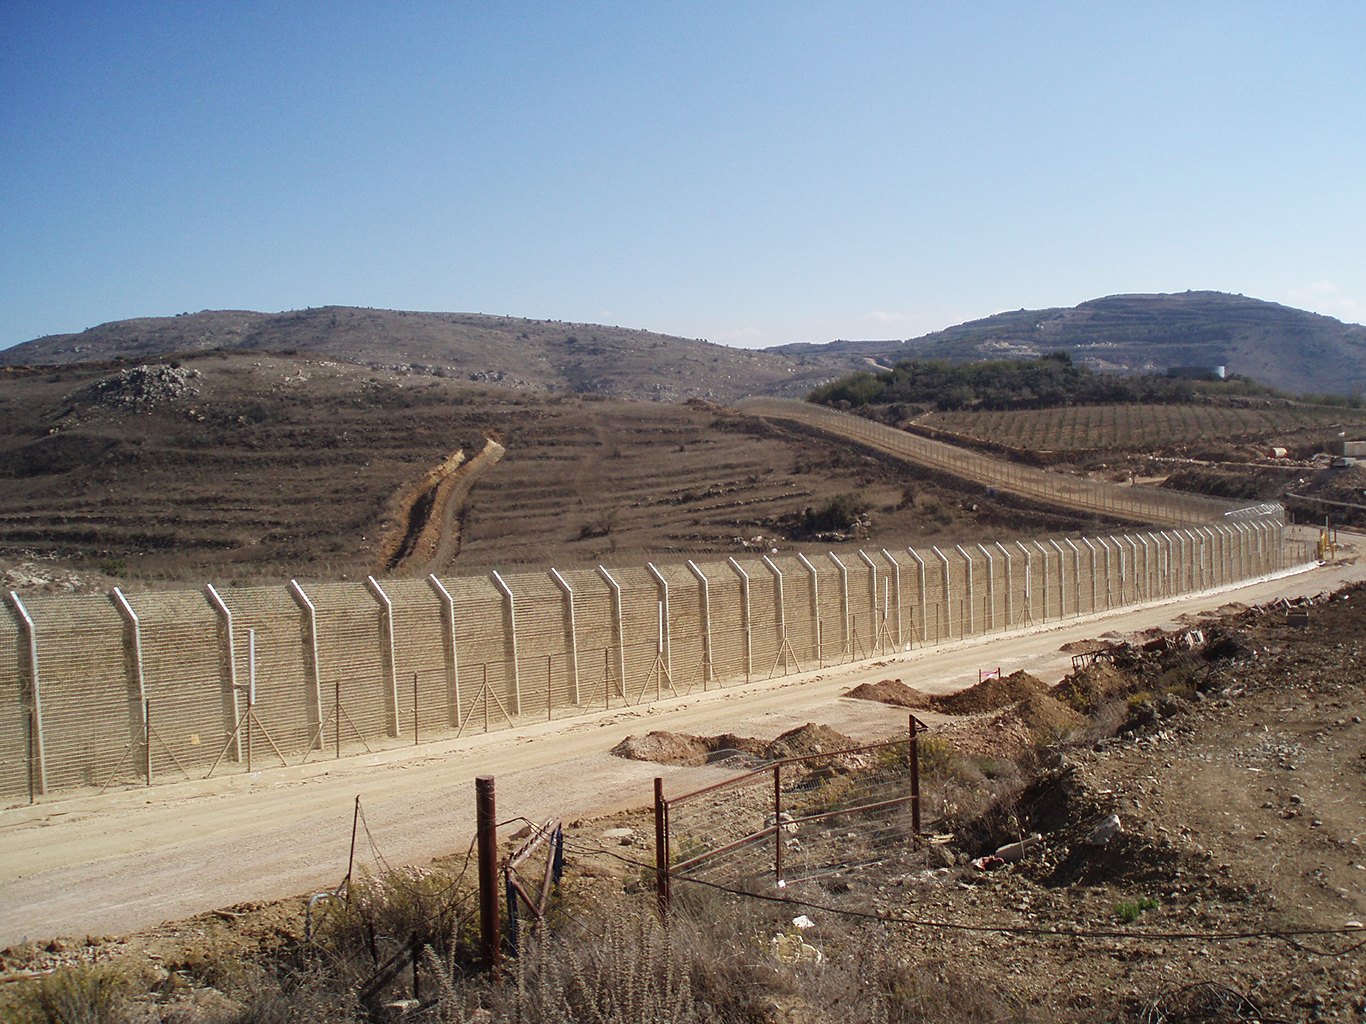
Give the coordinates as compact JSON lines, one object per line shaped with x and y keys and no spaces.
{"x":131,"y":688}
{"x":1137,"y":504}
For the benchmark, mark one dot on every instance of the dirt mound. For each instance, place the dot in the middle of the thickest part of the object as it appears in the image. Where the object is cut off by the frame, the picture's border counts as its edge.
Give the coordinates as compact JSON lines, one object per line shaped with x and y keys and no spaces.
{"x":1013,"y":731}
{"x":681,"y":748}
{"x":663,"y":748}
{"x":809,"y":739}
{"x":1088,"y":688}
{"x":991,"y":694}
{"x":892,"y":691}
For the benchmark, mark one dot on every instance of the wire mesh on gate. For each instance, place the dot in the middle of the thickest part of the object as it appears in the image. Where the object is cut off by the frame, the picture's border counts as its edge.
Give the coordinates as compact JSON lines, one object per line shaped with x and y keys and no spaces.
{"x":797,"y":818}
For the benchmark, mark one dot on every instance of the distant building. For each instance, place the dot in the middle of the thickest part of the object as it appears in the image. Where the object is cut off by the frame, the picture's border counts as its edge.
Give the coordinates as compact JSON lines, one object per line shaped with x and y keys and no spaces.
{"x":1198,"y":372}
{"x":1352,"y":449}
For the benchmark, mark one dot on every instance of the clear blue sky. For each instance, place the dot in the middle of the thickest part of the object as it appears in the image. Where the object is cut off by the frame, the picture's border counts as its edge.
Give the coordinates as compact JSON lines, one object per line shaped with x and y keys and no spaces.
{"x":748,"y":173}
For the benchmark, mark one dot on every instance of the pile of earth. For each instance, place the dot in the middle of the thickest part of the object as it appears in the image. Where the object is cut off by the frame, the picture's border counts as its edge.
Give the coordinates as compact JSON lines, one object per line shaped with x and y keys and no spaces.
{"x":684,"y":749}
{"x":1088,"y":688}
{"x":987,"y":695}
{"x":894,"y":692}
{"x":1014,"y":731}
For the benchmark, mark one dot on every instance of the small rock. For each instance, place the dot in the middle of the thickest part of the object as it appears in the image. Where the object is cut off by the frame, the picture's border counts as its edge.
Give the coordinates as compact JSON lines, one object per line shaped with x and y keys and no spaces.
{"x":1104,"y":832}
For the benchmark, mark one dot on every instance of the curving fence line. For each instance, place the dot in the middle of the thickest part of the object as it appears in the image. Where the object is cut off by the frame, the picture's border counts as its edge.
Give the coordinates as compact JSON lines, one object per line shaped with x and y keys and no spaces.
{"x":1131,"y":503}
{"x":122,"y":689}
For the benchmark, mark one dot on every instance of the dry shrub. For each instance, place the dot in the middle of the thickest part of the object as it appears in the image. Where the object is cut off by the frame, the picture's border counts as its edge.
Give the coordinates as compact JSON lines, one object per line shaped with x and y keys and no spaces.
{"x":629,"y":970}
{"x":79,"y":994}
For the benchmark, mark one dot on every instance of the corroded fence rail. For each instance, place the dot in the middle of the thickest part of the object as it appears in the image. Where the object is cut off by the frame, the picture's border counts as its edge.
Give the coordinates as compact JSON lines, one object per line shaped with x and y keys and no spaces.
{"x":127,"y":688}
{"x":1118,"y":501}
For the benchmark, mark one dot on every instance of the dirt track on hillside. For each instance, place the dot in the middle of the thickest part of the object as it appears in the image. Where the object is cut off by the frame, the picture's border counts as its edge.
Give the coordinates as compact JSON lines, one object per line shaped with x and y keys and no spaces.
{"x":134,"y":858}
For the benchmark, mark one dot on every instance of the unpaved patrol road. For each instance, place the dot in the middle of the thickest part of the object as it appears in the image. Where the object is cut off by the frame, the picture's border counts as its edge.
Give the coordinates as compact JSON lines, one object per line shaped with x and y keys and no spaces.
{"x":91,"y":865}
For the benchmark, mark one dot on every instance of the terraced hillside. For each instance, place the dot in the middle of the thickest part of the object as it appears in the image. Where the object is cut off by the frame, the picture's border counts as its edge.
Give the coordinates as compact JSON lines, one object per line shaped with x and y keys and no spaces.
{"x":257,"y":466}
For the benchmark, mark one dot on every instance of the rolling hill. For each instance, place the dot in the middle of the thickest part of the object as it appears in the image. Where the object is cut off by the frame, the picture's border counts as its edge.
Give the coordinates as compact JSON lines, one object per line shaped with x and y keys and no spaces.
{"x":1287,"y":348}
{"x":531,"y":355}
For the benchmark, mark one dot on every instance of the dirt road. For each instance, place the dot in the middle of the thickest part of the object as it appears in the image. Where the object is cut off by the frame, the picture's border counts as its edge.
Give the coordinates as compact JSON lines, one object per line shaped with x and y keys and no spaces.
{"x":127,"y":860}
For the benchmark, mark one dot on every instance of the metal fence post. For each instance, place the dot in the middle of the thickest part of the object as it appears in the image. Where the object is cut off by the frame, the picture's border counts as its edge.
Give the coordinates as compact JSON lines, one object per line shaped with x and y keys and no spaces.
{"x":448,"y":650}
{"x":920,"y":578}
{"x":704,"y":613}
{"x":662,"y":588}
{"x":618,"y":639}
{"x":915,"y":778}
{"x":779,"y":610}
{"x":37,"y":753}
{"x":896,"y":593}
{"x":510,"y":641}
{"x":948,"y":601}
{"x":1010,"y":585}
{"x":312,"y":683}
{"x":744,"y":614}
{"x":778,"y":824}
{"x":661,"y":848}
{"x":846,"y":639}
{"x":486,"y":838}
{"x":965,"y":630}
{"x":227,"y":667}
{"x":132,"y":652}
{"x":571,"y":636}
{"x":990,"y":622}
{"x":386,"y":654}
{"x":814,"y":595}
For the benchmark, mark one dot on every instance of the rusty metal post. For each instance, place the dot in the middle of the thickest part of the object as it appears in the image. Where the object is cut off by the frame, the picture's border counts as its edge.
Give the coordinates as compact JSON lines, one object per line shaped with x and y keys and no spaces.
{"x":661,"y":848}
{"x":915,"y":779}
{"x":778,"y":824}
{"x":486,"y":818}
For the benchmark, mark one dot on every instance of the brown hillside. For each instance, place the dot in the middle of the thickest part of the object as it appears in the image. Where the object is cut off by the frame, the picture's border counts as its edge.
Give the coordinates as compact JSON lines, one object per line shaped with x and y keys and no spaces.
{"x":258,"y":466}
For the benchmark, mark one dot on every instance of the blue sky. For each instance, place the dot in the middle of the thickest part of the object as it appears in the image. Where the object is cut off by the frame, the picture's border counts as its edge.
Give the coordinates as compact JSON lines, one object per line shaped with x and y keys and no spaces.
{"x":747,"y":173}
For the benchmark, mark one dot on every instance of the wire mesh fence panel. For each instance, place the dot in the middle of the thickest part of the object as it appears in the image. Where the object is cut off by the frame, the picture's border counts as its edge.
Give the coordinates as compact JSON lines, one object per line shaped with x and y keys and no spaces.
{"x":641,"y":609}
{"x":763,"y":617}
{"x":887,"y":619}
{"x":487,"y":688}
{"x":961,"y":619}
{"x":596,"y":642}
{"x":795,"y":819}
{"x":420,"y":651}
{"x":349,"y":650}
{"x":283,"y":687}
{"x":687,"y":653}
{"x":833,"y":634}
{"x":863,"y":614}
{"x":188,"y":706}
{"x":16,"y":743}
{"x":795,"y":633}
{"x":92,"y":712}
{"x":729,"y":638}
{"x":542,"y":665}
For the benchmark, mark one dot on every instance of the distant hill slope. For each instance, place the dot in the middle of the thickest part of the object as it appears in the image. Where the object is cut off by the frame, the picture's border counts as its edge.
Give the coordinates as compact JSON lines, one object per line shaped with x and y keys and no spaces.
{"x":1287,"y":348}
{"x":540,"y":355}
